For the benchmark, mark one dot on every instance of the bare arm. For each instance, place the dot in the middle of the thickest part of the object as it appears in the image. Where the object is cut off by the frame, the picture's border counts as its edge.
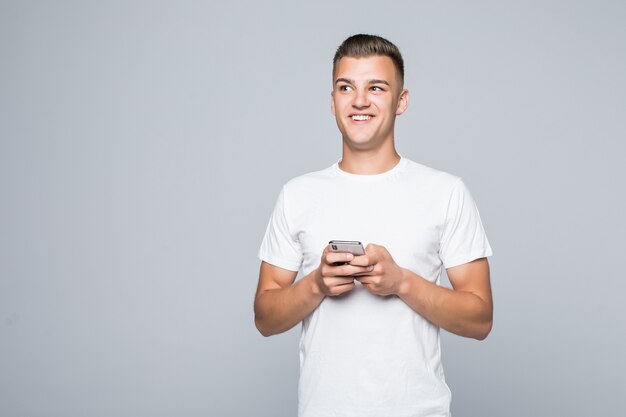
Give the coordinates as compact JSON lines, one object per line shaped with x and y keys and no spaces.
{"x":280,"y":303}
{"x":466,"y":310}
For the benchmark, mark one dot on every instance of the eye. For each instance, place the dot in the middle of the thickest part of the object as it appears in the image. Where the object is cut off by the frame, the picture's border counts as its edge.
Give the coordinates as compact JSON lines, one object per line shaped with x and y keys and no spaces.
{"x":376,"y":88}
{"x":345,"y":87}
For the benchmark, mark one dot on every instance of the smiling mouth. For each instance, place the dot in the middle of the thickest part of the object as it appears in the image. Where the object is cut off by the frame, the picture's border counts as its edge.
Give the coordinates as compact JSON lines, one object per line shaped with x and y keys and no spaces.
{"x":360,"y":117}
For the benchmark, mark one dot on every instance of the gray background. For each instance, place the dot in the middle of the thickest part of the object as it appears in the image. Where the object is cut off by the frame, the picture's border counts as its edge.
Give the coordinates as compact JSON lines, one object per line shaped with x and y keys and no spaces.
{"x":143,"y":146}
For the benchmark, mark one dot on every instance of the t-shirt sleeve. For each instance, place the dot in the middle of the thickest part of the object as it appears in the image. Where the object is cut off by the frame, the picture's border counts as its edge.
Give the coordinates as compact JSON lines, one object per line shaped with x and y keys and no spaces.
{"x":280,"y":247}
{"x":463,"y":239}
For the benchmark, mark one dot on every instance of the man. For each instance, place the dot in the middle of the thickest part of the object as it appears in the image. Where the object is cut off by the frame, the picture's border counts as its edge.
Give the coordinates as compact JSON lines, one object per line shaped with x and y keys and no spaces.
{"x":370,"y":323}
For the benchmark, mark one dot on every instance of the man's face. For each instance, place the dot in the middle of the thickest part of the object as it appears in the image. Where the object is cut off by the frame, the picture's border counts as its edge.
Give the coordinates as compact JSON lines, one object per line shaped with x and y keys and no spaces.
{"x":366,"y":98}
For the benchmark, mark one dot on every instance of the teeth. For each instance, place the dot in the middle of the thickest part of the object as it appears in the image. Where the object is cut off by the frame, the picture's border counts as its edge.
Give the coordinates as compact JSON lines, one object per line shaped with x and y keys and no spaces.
{"x":361,"y":117}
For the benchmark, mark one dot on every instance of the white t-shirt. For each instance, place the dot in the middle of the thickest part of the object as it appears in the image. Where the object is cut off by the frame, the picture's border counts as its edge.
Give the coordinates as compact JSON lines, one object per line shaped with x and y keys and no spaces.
{"x":360,"y":354}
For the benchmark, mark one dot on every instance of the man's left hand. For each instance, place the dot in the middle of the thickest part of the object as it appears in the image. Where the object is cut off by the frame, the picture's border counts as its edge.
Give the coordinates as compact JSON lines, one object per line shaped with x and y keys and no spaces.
{"x":386,"y":278}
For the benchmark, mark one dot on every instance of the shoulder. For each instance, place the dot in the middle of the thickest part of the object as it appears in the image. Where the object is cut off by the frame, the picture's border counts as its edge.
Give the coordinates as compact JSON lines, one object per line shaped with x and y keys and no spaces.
{"x":309,"y":182}
{"x":447,"y":189}
{"x":431,"y":178}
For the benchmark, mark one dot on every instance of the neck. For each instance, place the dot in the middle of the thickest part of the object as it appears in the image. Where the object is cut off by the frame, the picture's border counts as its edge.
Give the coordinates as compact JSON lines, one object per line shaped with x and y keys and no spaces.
{"x":368,"y":162}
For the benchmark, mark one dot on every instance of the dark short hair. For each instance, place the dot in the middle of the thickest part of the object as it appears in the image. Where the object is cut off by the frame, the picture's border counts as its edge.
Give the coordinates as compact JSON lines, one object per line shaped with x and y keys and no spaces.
{"x":361,"y":45}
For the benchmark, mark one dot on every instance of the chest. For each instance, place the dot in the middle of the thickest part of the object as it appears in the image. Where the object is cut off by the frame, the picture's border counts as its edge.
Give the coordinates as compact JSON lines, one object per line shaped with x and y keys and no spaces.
{"x":408,"y":222}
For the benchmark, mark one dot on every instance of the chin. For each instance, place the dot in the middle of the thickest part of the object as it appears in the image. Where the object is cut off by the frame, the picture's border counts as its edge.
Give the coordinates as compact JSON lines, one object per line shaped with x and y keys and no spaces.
{"x":358,"y":139}
{"x":359,"y":144}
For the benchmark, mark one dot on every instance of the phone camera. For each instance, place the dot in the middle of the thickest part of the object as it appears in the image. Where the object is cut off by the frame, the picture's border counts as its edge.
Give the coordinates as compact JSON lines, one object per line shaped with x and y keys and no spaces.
{"x":334,"y":247}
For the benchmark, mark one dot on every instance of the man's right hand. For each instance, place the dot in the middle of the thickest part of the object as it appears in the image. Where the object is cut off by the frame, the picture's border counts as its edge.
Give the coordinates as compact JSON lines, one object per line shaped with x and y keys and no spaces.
{"x":335,"y":276}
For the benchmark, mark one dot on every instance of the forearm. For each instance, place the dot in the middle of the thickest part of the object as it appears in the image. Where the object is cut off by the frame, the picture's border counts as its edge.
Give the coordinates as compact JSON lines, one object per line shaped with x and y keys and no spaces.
{"x":278,"y":310}
{"x":459,"y":312}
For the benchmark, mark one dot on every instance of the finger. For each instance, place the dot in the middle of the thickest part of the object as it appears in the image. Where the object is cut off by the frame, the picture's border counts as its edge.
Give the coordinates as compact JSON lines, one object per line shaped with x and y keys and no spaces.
{"x":342,"y":270}
{"x":375,"y":252}
{"x":338,"y":257}
{"x":338,"y":281}
{"x":362,"y":260}
{"x":340,"y":289}
{"x":348,"y":270}
{"x":365,"y":272}
{"x":365,"y":279}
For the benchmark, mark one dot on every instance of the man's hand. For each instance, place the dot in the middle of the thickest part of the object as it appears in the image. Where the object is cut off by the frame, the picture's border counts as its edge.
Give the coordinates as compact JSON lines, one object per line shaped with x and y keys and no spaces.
{"x":466,"y":310}
{"x":336,"y":274}
{"x":281,"y":302}
{"x":385,"y":276}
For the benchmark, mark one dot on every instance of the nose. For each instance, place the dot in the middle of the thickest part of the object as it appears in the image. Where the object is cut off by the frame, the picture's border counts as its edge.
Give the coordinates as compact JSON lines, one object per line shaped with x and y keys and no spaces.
{"x":361,"y":100}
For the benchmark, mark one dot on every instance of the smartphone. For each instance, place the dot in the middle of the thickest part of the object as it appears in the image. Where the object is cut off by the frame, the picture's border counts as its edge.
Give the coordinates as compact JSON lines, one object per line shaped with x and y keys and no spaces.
{"x":352,"y":246}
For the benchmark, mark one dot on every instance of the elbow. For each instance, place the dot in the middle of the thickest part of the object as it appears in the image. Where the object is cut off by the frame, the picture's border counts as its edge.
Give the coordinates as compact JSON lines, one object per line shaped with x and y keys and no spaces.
{"x":262,"y":328}
{"x":483,"y":330}
{"x":259,"y":323}
{"x":262,"y":325}
{"x":483,"y":325}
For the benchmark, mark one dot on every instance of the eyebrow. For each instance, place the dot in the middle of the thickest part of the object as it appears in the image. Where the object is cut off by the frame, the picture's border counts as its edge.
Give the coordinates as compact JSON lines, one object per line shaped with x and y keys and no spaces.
{"x":373,"y":81}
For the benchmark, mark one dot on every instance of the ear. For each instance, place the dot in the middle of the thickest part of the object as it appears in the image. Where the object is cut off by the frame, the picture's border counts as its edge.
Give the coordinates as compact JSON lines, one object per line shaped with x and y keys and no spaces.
{"x":332,"y":102}
{"x":403,"y":102}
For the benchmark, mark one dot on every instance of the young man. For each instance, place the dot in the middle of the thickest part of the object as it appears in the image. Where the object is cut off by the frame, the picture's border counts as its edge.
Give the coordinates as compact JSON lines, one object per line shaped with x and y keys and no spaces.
{"x":370,"y":323}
